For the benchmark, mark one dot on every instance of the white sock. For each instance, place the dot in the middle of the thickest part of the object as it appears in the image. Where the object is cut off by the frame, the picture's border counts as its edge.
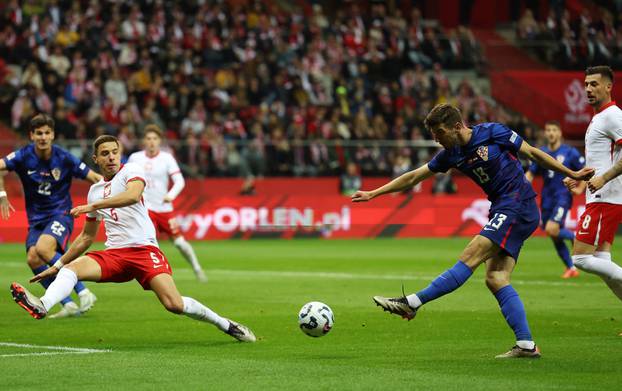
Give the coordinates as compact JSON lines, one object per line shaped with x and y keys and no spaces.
{"x":615,"y":286}
{"x":188,"y":252}
{"x":414,"y":301}
{"x":601,"y":267}
{"x":526,"y":344}
{"x":198,"y":311}
{"x":603,"y":255}
{"x":83,"y":292}
{"x":60,"y":288}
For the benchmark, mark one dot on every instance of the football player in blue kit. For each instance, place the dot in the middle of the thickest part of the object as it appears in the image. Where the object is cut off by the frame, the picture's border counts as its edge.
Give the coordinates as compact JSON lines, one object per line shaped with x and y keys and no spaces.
{"x":556,"y":199}
{"x":46,"y":172}
{"x":487,"y":153}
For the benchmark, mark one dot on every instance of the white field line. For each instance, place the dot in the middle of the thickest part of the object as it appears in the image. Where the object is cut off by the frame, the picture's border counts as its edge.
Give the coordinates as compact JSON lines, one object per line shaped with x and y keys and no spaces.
{"x":58,"y":350}
{"x":360,"y":276}
{"x":186,"y":274}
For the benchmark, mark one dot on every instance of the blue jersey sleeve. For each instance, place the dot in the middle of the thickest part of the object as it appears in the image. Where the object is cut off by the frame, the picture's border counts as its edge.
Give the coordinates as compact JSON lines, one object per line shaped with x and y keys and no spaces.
{"x":506,"y":137}
{"x":440,"y":162}
{"x":78,"y":168}
{"x":578,"y":161}
{"x":534,"y":168}
{"x":14,"y":160}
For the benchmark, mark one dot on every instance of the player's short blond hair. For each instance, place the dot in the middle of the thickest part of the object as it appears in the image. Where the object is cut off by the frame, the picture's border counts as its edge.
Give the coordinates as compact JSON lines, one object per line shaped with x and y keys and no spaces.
{"x":152,"y":128}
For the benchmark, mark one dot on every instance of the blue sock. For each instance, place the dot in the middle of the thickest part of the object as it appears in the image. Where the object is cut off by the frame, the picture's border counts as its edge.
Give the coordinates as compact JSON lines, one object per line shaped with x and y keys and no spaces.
{"x":447,"y":282}
{"x":79,"y":287}
{"x":563,"y":252}
{"x":46,"y":282}
{"x":514,"y":312}
{"x":566,"y":234}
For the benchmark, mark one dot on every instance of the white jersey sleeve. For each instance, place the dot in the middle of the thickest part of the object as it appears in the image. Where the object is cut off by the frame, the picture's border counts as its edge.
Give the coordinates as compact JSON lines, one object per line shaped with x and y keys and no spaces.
{"x":173,"y":167}
{"x":89,"y":200}
{"x":132,"y":172}
{"x":603,"y":149}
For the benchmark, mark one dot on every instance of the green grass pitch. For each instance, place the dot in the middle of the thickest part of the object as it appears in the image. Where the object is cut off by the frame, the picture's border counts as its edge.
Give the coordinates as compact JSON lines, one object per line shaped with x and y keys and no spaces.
{"x":449,"y":346}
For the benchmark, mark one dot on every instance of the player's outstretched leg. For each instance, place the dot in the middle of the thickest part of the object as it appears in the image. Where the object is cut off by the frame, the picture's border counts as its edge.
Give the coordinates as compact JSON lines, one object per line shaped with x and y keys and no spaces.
{"x":498,"y":271}
{"x":188,"y":252}
{"x":37,"y":264}
{"x":164,"y":287}
{"x":601,"y":264}
{"x":28,"y":301}
{"x":407,"y":306}
{"x":87,"y":298}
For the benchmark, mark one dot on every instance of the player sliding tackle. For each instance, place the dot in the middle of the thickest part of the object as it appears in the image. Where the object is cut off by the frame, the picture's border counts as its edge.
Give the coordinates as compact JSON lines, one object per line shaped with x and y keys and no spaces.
{"x":487,"y":154}
{"x":131,"y":247}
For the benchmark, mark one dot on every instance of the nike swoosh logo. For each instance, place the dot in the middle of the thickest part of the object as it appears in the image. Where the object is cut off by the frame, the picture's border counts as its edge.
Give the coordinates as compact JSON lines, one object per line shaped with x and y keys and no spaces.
{"x":157,"y":266}
{"x":30,"y":172}
{"x":489,"y":229}
{"x":583,"y":233}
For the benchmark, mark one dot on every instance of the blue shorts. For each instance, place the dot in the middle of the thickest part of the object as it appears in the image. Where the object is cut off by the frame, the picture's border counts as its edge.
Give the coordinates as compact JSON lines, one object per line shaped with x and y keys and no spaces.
{"x":556,"y":214}
{"x":511,"y":224}
{"x":59,"y":227}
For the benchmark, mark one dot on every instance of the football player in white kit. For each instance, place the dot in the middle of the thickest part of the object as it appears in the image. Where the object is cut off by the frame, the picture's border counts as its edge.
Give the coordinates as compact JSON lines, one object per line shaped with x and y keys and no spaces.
{"x":131,"y":247}
{"x":160,"y":166}
{"x":603,"y":151}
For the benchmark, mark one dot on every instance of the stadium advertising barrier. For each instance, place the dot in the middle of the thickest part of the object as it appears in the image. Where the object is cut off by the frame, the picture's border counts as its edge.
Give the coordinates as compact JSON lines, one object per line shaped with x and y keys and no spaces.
{"x":546,"y":95}
{"x":307,"y":211}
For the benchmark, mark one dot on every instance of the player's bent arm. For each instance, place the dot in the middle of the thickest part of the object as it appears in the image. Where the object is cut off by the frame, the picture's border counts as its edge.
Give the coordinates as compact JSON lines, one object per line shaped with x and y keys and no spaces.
{"x":613,"y":172}
{"x":81,"y":244}
{"x":545,"y":160}
{"x":93,"y":177}
{"x":129,"y":197}
{"x":178,"y":185}
{"x":403,"y":182}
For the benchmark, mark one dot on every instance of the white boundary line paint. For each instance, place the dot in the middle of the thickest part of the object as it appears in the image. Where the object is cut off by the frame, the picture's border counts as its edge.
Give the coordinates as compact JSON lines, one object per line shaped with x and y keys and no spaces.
{"x":59,"y":350}
{"x":187,"y":274}
{"x":360,"y":276}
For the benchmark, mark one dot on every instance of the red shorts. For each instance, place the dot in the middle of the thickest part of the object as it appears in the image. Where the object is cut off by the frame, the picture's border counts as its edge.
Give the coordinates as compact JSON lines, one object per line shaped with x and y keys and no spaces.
{"x":165,"y":222}
{"x":125,"y":264}
{"x":599,"y":223}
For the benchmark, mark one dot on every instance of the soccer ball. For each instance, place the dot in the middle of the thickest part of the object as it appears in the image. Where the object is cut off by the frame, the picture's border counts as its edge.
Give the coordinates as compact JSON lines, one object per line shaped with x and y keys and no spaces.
{"x":316,"y":319}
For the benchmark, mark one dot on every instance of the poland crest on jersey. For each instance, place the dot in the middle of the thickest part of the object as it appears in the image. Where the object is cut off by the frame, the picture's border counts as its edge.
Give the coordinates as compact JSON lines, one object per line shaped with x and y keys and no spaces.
{"x":482,"y":152}
{"x":107,"y":190}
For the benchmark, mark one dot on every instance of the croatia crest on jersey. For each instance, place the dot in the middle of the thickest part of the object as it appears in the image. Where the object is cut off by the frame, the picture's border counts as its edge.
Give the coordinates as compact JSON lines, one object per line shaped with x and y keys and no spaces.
{"x":56,"y":173}
{"x":482,"y":152}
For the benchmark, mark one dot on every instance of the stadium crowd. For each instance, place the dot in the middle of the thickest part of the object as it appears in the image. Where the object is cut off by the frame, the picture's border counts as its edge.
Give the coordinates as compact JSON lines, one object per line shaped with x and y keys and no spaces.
{"x":240,"y":88}
{"x":569,"y":41}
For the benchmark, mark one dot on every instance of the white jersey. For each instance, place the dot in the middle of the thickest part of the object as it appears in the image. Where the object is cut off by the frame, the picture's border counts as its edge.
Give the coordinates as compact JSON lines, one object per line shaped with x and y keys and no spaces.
{"x":128,"y":226}
{"x":603,"y":148}
{"x":158,"y":171}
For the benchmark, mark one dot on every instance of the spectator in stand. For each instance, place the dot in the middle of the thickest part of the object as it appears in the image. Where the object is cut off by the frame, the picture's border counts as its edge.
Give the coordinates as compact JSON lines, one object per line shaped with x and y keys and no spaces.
{"x":350,"y":181}
{"x":194,"y":67}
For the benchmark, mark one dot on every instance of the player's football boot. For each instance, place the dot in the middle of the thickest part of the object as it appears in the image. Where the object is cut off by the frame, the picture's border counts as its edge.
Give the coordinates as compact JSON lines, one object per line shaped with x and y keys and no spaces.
{"x":200,"y":275}
{"x":398,"y":306}
{"x":240,"y":332}
{"x":28,"y":301}
{"x":87,"y":300}
{"x":69,"y":309}
{"x":571,"y":273}
{"x":518,"y":352}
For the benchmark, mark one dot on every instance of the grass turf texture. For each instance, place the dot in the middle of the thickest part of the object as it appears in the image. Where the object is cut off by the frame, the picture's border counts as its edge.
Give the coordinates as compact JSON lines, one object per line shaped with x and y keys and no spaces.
{"x":450,"y":345}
